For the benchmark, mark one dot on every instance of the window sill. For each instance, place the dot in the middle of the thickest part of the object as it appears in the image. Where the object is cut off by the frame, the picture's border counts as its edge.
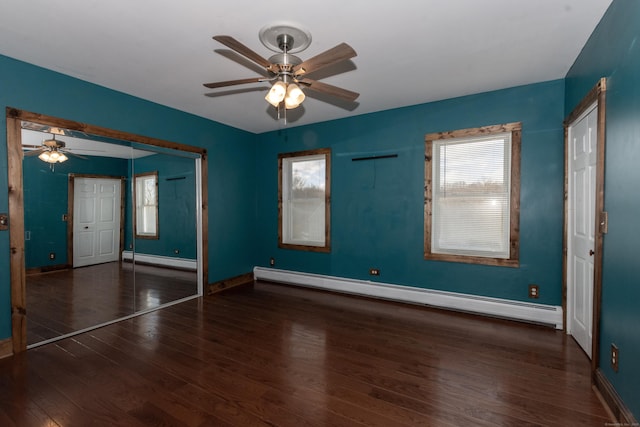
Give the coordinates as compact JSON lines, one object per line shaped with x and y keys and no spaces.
{"x":500,"y":262}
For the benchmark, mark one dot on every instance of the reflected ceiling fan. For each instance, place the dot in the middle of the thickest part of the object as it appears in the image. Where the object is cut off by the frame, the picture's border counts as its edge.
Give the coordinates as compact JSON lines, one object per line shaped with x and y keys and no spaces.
{"x":51,"y":151}
{"x":287,"y":72}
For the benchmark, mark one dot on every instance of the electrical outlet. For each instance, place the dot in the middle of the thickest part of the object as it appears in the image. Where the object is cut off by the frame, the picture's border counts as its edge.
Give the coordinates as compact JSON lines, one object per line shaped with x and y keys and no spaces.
{"x":374,"y":271}
{"x":534,"y":291}
{"x":272,"y":261}
{"x":615,"y":357}
{"x":52,"y":255}
{"x":176,"y":251}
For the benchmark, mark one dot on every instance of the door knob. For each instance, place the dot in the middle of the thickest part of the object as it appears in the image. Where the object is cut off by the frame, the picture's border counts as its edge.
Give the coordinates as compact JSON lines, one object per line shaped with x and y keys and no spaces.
{"x":591,"y":252}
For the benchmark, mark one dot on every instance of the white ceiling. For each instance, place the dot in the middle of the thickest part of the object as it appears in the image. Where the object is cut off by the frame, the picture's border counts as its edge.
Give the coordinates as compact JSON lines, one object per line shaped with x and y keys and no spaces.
{"x":409,"y":51}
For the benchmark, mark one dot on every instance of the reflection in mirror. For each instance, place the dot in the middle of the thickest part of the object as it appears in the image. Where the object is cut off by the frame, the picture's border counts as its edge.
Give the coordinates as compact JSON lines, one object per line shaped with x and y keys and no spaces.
{"x":85,"y":265}
{"x":145,"y":202}
{"x":164,"y":249}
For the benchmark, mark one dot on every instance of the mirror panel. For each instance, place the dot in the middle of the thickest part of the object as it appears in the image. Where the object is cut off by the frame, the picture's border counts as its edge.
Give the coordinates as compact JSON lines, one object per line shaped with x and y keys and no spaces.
{"x":165,"y":251}
{"x":72,"y":282}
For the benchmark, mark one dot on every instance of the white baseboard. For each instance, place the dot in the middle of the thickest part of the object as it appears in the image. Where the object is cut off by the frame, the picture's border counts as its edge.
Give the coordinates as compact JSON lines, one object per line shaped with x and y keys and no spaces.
{"x":165,"y":261}
{"x":495,"y":307}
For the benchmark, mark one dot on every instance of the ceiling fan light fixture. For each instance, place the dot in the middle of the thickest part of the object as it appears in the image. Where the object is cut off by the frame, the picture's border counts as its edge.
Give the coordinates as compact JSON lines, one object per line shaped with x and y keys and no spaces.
{"x":45,"y":156}
{"x":276,"y":94}
{"x":295,"y":96}
{"x":53,"y":156}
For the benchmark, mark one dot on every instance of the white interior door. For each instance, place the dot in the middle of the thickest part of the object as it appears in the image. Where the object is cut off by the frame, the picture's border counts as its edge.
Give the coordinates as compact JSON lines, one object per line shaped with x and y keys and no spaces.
{"x":96,"y":221}
{"x":582,"y":136}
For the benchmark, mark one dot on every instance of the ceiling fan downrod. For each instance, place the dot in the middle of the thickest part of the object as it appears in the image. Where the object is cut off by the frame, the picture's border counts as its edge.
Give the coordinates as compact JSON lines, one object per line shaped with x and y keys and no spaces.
{"x":285,"y":41}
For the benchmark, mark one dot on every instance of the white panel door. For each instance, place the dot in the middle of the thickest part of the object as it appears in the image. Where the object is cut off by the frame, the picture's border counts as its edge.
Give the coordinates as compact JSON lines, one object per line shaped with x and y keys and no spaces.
{"x":581,"y":226}
{"x":96,"y":224}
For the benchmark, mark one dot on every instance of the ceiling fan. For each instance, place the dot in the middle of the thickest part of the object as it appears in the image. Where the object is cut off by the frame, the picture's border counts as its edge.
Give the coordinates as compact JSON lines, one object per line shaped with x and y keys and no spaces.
{"x":287,"y":72}
{"x":51,"y":151}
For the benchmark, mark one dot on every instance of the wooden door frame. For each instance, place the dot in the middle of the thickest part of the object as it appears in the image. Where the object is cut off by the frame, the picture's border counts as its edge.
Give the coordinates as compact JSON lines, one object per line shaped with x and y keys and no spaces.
{"x":596,"y":95}
{"x":14,"y":118}
{"x":70,"y":211}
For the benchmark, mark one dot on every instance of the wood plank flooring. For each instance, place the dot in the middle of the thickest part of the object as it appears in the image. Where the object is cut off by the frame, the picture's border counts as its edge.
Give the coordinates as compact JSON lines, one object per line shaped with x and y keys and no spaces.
{"x":65,"y":301}
{"x":275,"y":355}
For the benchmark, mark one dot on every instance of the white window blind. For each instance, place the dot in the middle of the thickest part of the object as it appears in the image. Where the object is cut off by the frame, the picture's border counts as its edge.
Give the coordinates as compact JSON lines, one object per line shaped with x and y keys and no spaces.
{"x":303,"y":214}
{"x":471,"y":196}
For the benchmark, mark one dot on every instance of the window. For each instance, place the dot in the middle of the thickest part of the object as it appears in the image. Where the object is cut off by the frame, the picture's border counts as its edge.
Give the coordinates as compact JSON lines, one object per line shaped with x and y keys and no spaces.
{"x":146,"y":202}
{"x":303,"y":200}
{"x":472,"y":195}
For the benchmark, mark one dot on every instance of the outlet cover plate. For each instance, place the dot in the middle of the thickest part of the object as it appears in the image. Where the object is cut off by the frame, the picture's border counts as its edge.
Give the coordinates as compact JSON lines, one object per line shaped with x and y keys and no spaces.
{"x":615,"y":357}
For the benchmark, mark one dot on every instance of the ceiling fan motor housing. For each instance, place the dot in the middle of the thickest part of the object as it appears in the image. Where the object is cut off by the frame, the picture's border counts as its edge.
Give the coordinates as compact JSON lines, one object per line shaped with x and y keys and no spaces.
{"x":53,"y":143}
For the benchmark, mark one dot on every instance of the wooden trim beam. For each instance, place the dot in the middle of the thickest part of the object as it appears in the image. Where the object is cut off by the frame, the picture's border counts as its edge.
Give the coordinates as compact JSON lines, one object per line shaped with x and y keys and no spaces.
{"x":16,"y":236}
{"x":6,"y":348}
{"x":204,"y":172}
{"x":27,"y":116}
{"x":480,"y":131}
{"x":231,"y":283}
{"x":613,"y":400}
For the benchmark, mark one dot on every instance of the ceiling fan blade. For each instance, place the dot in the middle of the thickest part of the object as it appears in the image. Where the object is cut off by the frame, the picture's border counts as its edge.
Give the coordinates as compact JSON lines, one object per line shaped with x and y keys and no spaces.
{"x":235,"y":82}
{"x":329,"y":89}
{"x":34,"y":152}
{"x":235,"y":45}
{"x":336,"y":54}
{"x":75,"y":155}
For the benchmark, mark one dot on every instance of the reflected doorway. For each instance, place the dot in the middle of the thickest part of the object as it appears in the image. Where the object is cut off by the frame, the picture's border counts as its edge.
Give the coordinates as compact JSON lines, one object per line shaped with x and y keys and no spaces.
{"x":97,"y":205}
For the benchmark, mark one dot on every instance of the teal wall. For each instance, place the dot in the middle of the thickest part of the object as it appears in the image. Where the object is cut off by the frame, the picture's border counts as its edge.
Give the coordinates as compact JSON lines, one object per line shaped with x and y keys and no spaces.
{"x":45,"y":201}
{"x":176,"y":206}
{"x":613,"y":51}
{"x":230,"y":151}
{"x":377,"y":206}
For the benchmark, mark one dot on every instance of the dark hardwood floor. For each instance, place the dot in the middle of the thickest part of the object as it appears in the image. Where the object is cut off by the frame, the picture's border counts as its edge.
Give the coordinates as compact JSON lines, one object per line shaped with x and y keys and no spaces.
{"x":274,"y":355}
{"x":64,"y":301}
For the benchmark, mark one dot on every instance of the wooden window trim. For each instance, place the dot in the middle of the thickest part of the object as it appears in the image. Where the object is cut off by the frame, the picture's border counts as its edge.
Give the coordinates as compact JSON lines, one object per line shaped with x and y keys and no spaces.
{"x":514,"y":226}
{"x":155,"y":236}
{"x":327,"y":201}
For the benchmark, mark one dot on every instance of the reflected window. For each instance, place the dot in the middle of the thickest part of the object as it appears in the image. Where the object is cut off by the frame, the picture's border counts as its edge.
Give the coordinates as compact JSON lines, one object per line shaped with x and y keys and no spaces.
{"x":146,"y":202}
{"x":304,"y":188}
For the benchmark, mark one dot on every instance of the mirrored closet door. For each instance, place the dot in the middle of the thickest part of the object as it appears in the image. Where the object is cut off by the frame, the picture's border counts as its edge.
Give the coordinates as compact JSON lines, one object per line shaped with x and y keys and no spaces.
{"x":111,"y":231}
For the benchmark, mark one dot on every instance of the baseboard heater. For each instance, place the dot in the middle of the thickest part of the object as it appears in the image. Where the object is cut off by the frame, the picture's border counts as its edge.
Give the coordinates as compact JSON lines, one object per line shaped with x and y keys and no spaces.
{"x":164,"y":261}
{"x":495,"y":307}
